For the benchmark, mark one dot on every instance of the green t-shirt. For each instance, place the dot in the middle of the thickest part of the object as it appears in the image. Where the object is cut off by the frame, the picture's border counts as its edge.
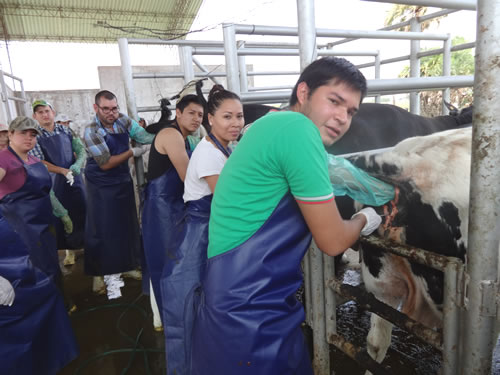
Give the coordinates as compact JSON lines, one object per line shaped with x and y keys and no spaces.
{"x":281,"y":152}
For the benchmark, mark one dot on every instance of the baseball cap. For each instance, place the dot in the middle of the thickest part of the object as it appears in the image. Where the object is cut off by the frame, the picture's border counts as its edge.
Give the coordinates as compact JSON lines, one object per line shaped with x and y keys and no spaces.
{"x":24,"y":123}
{"x":3,"y":127}
{"x":40,"y":102}
{"x":62,"y":118}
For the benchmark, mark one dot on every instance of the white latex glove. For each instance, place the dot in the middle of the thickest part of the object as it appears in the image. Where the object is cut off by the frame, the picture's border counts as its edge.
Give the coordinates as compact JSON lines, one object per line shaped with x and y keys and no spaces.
{"x":7,"y":294}
{"x":70,"y":178}
{"x":138,"y":151}
{"x":373,"y":220}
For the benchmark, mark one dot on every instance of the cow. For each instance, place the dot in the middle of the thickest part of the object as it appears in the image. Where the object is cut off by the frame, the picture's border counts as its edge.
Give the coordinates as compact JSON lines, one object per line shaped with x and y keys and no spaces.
{"x":384,"y":125}
{"x":431,"y":176}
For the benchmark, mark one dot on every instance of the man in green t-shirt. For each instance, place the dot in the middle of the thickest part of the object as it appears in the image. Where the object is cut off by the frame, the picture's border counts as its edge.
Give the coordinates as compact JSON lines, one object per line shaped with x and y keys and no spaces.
{"x":273,"y":193}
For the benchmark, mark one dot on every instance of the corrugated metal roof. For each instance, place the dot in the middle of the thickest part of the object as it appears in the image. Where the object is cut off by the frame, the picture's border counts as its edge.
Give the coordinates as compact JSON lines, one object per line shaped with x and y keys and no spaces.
{"x":95,"y":20}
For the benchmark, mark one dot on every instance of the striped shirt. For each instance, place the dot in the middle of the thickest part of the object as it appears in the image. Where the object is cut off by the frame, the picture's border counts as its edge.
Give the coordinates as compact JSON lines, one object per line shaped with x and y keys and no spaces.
{"x":95,"y":133}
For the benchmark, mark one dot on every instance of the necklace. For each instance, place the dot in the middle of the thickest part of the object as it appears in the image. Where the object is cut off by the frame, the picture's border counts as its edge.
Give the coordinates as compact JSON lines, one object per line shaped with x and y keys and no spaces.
{"x":224,"y":150}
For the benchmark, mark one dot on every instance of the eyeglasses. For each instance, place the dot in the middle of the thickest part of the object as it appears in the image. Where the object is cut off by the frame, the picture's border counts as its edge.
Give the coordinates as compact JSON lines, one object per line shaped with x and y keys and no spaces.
{"x":109,"y":110}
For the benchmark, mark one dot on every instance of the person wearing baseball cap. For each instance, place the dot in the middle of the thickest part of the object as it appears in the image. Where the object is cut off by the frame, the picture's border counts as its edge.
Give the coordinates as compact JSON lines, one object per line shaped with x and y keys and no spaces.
{"x":29,"y":265}
{"x":56,"y":147}
{"x":63,"y":119}
{"x":4,"y":137}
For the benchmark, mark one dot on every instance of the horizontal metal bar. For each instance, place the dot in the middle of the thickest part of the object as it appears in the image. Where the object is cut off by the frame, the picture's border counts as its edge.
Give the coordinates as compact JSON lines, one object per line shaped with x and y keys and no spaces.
{"x":175,"y":75}
{"x":270,"y":73}
{"x":398,"y":25}
{"x":270,"y":88}
{"x":421,"y":83}
{"x":282,"y":52}
{"x":451,"y":4}
{"x":16,"y":99}
{"x":12,"y":76}
{"x":369,"y":302}
{"x":432,"y":52}
{"x":211,"y":43}
{"x":360,"y":355}
{"x":293,"y":31}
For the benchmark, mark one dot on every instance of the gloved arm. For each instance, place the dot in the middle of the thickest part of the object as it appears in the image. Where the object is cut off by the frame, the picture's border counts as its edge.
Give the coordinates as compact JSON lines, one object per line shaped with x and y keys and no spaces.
{"x":60,"y":212}
{"x":138,"y":151}
{"x":81,"y":155}
{"x":7,"y":293}
{"x":373,"y":220}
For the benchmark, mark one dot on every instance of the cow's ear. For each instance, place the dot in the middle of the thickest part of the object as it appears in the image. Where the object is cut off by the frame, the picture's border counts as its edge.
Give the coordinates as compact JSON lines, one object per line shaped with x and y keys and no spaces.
{"x":302,"y":92}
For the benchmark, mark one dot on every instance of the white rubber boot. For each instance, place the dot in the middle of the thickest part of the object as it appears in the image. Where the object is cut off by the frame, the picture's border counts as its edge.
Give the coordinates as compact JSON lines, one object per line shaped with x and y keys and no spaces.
{"x":157,"y":325}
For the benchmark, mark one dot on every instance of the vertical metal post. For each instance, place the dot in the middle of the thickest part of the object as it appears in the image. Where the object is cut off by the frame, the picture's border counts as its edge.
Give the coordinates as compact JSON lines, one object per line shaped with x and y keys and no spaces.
{"x":377,"y":73}
{"x":451,"y":317}
{"x":232,"y":73}
{"x":130,"y":98}
{"x":330,"y":300}
{"x":5,"y":97}
{"x":243,"y":69}
{"x":446,"y":72}
{"x":321,"y":359}
{"x":307,"y":32}
{"x":484,"y":225}
{"x":26,"y":105}
{"x":414,"y":66}
{"x":186,"y":60}
{"x":306,"y":264}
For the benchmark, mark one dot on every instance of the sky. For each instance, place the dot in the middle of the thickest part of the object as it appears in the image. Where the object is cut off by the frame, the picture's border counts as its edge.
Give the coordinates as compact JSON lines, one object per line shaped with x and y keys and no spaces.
{"x":63,"y":66}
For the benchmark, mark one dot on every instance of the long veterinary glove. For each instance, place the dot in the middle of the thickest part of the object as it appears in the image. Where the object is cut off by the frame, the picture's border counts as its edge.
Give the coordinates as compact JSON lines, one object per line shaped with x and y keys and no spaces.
{"x":81,"y":155}
{"x":373,"y":220}
{"x":68,"y":224}
{"x":7,"y":293}
{"x":138,"y":151}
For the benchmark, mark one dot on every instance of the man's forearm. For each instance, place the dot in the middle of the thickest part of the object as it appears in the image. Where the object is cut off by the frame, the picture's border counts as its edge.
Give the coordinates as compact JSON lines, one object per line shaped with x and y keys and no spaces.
{"x":115,"y":160}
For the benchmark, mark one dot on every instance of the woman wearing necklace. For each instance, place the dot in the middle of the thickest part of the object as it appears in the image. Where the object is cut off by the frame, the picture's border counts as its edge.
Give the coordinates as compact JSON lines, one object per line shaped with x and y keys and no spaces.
{"x":34,"y":315}
{"x":225,"y":114}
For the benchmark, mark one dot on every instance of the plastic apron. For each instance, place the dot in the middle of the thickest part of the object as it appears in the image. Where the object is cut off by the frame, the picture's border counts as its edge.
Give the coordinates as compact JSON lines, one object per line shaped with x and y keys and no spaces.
{"x":29,"y":213}
{"x":163,"y":212}
{"x":180,"y":275}
{"x":36,"y":335}
{"x":112,"y":237}
{"x":58,"y":150}
{"x":248,"y":318}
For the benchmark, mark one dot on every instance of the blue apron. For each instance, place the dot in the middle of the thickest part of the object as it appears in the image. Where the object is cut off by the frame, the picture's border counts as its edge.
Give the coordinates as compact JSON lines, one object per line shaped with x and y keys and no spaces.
{"x":35,"y":332}
{"x":57,"y":150}
{"x":247,"y":317}
{"x":29,"y":212}
{"x":112,"y":237}
{"x":182,"y":272}
{"x":161,"y":223}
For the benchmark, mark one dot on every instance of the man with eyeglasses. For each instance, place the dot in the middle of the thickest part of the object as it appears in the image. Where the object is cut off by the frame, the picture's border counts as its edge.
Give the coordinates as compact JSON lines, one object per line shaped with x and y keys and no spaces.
{"x":64,"y":155}
{"x":112,"y":238}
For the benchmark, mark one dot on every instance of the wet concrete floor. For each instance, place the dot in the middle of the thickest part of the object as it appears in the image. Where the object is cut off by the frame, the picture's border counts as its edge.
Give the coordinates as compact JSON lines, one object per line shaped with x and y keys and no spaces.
{"x":108,"y":331}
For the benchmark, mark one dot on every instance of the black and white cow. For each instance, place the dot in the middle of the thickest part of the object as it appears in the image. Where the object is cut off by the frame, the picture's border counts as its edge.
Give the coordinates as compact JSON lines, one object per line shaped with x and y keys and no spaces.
{"x":431,"y":174}
{"x":383,"y":125}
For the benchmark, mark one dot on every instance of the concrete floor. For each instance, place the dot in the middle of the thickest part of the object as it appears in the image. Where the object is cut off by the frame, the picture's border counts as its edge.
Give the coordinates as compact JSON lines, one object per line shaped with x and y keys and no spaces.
{"x":103,"y":325}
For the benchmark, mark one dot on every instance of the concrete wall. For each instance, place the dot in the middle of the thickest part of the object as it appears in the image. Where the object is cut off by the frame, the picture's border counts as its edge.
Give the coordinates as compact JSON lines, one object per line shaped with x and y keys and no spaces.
{"x":78,"y":104}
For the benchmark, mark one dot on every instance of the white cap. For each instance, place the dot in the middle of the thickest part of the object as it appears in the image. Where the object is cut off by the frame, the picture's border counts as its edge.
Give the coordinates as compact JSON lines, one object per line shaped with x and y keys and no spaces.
{"x":62,"y":118}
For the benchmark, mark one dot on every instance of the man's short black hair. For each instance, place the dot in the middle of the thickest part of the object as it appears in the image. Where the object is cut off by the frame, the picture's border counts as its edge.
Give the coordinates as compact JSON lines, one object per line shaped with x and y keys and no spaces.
{"x":188,"y":99}
{"x":106,"y":94}
{"x":326,"y":70}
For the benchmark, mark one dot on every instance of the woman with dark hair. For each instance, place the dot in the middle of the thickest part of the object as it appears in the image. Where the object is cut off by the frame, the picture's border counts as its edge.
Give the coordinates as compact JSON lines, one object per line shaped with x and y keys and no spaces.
{"x":36,"y":335}
{"x":182,"y":273}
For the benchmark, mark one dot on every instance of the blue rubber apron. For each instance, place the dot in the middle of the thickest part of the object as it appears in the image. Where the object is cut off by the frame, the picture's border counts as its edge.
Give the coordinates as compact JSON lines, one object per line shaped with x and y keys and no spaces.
{"x":162,"y":217}
{"x":181,"y":274}
{"x":248,"y":318}
{"x":57,"y":150}
{"x":112,"y":238}
{"x":29,"y":212}
{"x":35,"y":332}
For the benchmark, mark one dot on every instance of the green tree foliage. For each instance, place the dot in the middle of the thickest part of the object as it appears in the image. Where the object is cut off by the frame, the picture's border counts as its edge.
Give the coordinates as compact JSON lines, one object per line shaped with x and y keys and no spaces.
{"x":462,"y":63}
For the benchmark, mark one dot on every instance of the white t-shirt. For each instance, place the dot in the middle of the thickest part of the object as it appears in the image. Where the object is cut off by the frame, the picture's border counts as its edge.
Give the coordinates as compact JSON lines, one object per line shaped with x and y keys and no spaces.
{"x":206,"y":160}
